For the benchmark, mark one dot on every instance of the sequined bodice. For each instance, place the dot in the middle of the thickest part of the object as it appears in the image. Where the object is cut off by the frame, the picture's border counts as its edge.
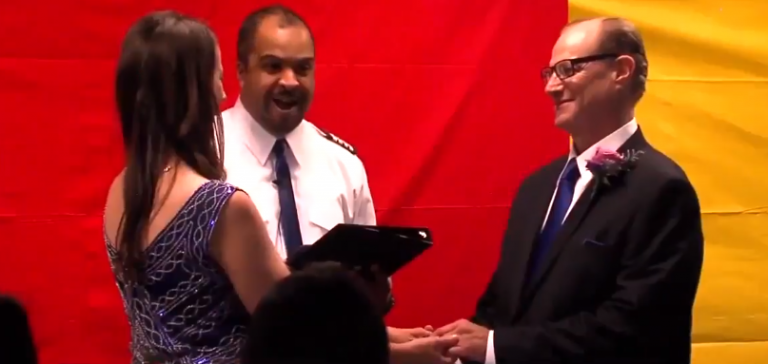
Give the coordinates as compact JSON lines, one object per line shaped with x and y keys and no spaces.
{"x":186,"y":311}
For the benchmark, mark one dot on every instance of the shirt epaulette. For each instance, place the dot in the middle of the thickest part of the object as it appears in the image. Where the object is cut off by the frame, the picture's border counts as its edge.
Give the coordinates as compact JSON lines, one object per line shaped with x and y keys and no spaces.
{"x":336,"y":140}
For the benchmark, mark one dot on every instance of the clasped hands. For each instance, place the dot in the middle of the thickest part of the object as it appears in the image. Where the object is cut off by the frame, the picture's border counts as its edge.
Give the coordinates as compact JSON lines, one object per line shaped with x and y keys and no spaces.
{"x":460,"y":339}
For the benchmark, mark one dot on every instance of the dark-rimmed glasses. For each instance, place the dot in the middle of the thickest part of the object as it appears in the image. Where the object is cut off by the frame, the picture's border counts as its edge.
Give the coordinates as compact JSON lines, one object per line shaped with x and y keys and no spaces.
{"x":567,"y":67}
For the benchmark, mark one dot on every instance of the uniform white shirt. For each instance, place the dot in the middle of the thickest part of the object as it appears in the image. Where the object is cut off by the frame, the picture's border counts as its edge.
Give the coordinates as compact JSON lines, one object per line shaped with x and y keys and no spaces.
{"x":612,"y":142}
{"x":329,"y":181}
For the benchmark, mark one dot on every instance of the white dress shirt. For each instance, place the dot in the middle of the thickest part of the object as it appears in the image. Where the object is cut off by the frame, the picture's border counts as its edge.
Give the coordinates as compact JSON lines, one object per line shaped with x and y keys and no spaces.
{"x":613,"y":142}
{"x":329,"y":181}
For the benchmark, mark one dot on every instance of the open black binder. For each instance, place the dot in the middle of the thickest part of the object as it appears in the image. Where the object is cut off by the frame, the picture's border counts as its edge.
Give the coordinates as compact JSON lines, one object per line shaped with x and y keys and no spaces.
{"x":390,"y":248}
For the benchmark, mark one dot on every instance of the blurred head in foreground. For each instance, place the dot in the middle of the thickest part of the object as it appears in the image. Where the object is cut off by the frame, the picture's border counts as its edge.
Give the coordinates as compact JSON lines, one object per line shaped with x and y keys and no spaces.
{"x":320,"y":315}
{"x":16,"y":342}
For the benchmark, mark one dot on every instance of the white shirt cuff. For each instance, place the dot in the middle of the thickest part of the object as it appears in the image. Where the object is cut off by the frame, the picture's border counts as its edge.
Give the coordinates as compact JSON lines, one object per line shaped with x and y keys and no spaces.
{"x":490,"y":355}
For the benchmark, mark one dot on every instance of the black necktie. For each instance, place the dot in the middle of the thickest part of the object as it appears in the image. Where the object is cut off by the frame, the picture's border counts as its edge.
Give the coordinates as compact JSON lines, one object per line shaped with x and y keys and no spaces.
{"x":289,"y":217}
{"x":557,"y":214}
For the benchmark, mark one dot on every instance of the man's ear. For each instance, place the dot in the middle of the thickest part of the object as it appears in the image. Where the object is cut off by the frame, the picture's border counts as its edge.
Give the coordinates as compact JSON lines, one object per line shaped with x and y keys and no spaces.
{"x":241,"y":69}
{"x":625,"y":68}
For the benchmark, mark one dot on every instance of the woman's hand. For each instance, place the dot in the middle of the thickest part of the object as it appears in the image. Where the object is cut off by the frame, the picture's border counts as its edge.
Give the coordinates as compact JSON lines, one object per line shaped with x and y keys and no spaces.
{"x":399,"y":336}
{"x":427,"y":350}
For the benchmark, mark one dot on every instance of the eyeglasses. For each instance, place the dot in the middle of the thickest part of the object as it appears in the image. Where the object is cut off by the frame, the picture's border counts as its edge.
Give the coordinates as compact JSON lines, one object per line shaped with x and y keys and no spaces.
{"x":568,"y":67}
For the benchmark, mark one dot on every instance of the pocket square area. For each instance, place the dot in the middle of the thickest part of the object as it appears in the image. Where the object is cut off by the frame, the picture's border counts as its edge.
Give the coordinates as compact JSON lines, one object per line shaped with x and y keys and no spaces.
{"x":593,"y":242}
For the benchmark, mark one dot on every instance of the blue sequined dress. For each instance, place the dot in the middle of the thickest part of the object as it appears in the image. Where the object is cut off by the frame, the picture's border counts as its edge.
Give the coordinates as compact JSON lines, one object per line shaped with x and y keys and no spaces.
{"x":186,"y":311}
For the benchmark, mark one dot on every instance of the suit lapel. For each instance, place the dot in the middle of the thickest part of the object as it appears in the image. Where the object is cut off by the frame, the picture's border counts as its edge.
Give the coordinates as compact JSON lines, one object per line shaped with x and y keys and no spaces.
{"x":575,"y":217}
{"x":535,"y":210}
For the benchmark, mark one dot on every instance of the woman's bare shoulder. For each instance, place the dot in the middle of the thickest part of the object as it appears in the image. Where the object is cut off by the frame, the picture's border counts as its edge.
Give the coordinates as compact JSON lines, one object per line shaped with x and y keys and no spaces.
{"x":240,"y":207}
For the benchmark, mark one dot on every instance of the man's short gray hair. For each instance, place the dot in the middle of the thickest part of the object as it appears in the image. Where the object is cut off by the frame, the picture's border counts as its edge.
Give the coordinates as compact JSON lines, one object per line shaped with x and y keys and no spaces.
{"x":620,"y":36}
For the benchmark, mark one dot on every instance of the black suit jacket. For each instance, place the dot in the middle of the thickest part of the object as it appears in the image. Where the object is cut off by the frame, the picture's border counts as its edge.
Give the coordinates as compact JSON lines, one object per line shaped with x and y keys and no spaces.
{"x":619,"y":281}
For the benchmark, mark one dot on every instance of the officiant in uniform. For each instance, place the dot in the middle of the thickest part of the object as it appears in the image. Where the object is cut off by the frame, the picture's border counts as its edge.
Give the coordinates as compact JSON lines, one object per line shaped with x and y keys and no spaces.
{"x":304,"y":180}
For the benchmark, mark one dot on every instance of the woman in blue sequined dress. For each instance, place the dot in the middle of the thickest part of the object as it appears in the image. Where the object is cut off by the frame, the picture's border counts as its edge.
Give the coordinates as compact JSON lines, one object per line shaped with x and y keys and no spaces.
{"x":190,"y":253}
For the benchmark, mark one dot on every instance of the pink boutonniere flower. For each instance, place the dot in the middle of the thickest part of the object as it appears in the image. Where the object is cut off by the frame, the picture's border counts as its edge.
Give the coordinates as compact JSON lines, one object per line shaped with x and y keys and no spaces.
{"x":608,"y":165}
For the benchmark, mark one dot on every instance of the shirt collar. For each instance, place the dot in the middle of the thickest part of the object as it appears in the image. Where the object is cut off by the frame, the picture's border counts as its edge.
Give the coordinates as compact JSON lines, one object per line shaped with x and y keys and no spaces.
{"x":260,"y":142}
{"x":613,"y":142}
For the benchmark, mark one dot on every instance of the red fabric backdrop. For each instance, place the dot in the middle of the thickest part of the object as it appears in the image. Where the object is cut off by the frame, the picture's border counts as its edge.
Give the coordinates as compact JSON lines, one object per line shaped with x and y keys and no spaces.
{"x":442,"y":99}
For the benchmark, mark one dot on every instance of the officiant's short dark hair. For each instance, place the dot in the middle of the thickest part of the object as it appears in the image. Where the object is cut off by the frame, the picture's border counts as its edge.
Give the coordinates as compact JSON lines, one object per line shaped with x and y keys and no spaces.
{"x":251,"y":23}
{"x":320,"y":315}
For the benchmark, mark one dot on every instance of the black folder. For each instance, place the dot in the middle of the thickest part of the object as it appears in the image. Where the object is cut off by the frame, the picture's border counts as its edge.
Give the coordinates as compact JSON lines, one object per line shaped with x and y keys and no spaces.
{"x":390,"y":248}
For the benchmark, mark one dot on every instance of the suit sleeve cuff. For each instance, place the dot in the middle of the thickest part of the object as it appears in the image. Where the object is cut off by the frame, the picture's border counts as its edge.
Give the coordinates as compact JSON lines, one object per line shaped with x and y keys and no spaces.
{"x":490,"y":355}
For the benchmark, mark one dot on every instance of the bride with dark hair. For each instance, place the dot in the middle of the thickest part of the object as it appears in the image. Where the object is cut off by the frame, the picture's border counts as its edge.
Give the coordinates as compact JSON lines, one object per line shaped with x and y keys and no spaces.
{"x":190,"y":253}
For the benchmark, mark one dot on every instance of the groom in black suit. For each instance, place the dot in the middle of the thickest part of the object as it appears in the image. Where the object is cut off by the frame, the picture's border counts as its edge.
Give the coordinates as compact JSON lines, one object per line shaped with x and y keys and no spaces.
{"x":603,"y":251}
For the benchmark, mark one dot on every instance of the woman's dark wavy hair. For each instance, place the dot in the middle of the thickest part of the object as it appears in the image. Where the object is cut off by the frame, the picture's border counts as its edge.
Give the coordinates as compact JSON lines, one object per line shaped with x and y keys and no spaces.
{"x":168,"y":108}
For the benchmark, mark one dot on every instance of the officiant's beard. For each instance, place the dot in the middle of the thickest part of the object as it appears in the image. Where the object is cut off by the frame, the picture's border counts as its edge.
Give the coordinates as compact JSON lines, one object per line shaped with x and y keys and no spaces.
{"x":282,"y":120}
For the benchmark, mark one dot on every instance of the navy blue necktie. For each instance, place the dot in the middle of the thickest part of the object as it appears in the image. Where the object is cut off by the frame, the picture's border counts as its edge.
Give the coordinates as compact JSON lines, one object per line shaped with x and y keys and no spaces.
{"x":560,"y":204}
{"x":289,"y":217}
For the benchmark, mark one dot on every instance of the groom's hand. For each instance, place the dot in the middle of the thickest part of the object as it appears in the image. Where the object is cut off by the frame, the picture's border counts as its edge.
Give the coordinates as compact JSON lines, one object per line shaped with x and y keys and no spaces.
{"x":473,"y":339}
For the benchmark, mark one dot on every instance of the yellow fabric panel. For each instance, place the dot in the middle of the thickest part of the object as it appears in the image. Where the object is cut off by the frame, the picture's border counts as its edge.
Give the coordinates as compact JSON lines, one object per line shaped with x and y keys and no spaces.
{"x":707,"y":107}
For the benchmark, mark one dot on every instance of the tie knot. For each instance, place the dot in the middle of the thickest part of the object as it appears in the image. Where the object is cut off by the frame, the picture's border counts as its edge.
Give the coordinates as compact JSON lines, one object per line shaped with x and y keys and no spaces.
{"x":571,"y":171}
{"x":279,"y":148}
